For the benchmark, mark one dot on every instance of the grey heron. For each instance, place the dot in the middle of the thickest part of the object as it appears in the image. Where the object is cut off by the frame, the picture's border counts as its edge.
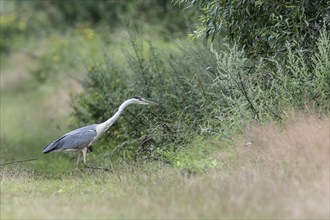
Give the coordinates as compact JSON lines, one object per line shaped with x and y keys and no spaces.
{"x":81,"y":139}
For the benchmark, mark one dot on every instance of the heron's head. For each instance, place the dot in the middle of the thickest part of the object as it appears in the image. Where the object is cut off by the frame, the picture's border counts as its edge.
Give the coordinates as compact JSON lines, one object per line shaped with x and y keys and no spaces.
{"x":142,"y":101}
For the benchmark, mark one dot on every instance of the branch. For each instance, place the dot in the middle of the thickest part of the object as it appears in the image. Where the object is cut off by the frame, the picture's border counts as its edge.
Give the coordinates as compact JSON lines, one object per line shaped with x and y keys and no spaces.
{"x":18,"y":161}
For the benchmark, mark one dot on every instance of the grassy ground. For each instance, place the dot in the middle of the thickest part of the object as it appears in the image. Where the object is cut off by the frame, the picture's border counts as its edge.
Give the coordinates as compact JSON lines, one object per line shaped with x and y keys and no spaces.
{"x":273,"y":171}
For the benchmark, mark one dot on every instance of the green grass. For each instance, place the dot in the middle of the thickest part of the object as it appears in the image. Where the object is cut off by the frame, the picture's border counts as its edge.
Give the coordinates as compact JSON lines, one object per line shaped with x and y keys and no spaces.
{"x":284,"y":173}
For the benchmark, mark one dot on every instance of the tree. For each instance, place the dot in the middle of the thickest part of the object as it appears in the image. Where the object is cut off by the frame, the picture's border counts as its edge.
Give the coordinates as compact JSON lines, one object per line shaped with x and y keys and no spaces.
{"x":263,"y":27}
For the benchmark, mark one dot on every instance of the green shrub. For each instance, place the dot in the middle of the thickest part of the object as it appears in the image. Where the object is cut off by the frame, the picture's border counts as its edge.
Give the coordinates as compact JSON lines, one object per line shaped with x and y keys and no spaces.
{"x":295,"y":83}
{"x":176,"y":81}
{"x":199,"y":91}
{"x":262,"y":91}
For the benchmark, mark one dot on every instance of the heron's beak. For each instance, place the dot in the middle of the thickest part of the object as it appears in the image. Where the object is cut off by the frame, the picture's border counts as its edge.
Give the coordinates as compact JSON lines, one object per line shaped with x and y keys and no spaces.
{"x":146,"y":102}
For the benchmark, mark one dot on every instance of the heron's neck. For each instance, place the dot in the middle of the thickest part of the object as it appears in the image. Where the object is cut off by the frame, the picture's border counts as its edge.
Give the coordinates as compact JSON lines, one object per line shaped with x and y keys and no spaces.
{"x":105,"y":125}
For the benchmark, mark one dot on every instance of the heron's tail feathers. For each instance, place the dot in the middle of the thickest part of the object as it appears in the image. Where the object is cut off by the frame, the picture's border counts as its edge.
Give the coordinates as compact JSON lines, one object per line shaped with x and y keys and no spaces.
{"x":53,"y":146}
{"x":49,"y":148}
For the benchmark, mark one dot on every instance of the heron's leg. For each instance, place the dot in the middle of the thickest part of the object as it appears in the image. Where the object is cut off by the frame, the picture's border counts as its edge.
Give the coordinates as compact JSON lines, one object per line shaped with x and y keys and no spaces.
{"x":84,"y":151}
{"x":77,"y":163}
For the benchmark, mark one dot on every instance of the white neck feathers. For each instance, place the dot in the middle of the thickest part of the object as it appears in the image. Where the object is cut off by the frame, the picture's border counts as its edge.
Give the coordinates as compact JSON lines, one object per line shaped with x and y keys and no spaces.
{"x":105,"y":125}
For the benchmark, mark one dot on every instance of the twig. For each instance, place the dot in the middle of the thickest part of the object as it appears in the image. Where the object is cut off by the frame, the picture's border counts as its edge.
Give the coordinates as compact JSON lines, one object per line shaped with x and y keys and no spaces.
{"x":18,"y":161}
{"x":99,"y":168}
{"x":247,"y":96}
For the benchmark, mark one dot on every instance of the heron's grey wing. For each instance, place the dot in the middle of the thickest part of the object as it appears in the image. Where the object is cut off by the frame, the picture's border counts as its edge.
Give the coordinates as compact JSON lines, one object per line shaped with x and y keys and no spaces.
{"x":74,"y":140}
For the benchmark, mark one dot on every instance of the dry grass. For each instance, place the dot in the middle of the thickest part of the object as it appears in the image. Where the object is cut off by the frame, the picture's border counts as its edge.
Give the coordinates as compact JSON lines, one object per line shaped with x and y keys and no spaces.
{"x":284,"y":173}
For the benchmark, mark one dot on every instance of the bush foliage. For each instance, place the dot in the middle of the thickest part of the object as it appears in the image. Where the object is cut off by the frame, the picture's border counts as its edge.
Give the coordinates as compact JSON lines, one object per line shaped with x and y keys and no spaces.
{"x":201,"y":91}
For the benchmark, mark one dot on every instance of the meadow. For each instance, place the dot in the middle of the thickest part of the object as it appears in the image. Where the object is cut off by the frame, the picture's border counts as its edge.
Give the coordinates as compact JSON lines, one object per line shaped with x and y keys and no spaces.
{"x":272,"y":171}
{"x":235,"y":135}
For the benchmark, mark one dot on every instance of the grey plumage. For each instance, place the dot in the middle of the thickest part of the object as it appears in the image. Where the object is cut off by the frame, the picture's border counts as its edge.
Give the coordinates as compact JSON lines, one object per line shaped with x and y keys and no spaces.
{"x":75,"y":140}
